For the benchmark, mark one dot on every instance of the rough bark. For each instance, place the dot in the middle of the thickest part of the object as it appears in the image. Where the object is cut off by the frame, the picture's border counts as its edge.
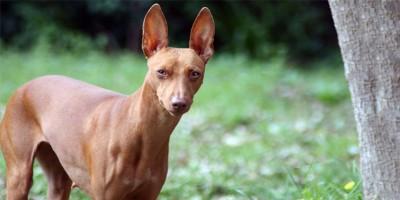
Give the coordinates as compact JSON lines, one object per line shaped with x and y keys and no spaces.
{"x":369,"y":39}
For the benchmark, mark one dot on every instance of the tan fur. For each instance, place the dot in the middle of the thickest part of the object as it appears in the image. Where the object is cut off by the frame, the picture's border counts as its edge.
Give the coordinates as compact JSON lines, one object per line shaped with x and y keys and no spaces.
{"x":110,"y":145}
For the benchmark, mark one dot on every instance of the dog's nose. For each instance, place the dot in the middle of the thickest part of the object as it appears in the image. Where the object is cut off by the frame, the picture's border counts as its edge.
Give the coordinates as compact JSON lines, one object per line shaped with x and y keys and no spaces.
{"x":179,"y":104}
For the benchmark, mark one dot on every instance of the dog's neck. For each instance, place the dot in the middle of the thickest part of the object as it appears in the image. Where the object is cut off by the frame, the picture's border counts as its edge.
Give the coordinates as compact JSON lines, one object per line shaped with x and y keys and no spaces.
{"x":150,"y":121}
{"x":152,"y":113}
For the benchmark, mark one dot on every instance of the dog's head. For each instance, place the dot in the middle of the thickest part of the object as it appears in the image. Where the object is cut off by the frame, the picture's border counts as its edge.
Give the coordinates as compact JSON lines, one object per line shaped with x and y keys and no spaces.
{"x":176,"y":74}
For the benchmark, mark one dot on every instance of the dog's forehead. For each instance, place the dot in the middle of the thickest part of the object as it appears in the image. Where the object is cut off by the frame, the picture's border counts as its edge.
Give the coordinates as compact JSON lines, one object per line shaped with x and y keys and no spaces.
{"x":176,"y":56}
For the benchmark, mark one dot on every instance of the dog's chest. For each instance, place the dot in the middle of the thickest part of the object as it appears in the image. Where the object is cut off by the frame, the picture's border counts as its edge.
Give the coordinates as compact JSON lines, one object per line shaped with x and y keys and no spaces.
{"x":131,"y":180}
{"x":133,"y":170}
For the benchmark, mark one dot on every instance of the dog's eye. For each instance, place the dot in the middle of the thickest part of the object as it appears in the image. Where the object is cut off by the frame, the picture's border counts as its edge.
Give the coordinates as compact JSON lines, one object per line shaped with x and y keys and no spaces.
{"x":162,"y":73}
{"x":194,"y":75}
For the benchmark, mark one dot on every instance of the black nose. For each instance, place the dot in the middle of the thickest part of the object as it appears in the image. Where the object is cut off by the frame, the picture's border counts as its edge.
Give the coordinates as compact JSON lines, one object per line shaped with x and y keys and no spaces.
{"x":179,"y":104}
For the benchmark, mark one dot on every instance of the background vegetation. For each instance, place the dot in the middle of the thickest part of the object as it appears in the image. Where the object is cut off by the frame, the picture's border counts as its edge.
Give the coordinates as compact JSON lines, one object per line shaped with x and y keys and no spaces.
{"x":272,"y":120}
{"x":260,"y":29}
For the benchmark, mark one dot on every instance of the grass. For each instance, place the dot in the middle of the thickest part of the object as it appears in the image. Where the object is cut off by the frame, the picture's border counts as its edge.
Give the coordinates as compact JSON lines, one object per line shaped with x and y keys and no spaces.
{"x":257,"y":130}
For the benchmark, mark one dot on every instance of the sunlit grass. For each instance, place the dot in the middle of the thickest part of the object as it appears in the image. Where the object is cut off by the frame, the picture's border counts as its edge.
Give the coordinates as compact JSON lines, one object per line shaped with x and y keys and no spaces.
{"x":257,"y":130}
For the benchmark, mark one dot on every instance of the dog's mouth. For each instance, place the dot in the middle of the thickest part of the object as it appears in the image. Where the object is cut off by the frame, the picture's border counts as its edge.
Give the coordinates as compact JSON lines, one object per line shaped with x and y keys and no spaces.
{"x":177,"y":113}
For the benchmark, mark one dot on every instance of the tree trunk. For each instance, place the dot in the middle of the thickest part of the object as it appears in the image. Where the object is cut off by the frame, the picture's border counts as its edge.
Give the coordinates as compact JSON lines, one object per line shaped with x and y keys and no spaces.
{"x":369,"y":39}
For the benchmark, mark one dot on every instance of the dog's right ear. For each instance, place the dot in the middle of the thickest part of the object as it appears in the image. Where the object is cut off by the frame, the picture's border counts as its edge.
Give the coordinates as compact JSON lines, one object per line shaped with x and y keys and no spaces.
{"x":155,"y":31}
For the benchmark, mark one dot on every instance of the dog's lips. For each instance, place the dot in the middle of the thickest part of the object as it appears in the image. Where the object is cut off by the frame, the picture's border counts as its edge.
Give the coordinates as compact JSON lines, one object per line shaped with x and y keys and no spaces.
{"x":177,"y":113}
{"x":174,"y":114}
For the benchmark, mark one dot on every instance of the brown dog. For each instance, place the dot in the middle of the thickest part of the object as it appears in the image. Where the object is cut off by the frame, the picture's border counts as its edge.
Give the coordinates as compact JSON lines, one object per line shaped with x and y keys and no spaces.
{"x":110,"y":145}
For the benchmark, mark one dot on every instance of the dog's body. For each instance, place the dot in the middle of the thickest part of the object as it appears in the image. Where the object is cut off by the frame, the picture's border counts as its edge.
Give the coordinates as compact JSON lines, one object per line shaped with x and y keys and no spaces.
{"x":110,"y":145}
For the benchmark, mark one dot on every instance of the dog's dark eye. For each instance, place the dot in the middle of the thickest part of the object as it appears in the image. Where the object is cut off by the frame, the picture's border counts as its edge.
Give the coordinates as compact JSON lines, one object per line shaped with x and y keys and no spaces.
{"x":194,"y":75}
{"x":162,"y":73}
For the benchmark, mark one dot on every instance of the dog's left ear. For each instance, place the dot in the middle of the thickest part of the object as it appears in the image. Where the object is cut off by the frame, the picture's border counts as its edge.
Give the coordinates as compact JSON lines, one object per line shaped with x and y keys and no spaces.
{"x":202,"y":34}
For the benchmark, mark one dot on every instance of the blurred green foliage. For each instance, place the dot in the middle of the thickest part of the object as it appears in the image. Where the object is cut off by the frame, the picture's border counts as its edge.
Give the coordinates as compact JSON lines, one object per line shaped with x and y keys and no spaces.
{"x":300,"y":30}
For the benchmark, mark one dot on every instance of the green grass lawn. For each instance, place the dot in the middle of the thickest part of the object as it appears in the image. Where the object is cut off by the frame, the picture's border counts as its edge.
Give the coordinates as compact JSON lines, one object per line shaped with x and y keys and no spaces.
{"x":257,"y":130}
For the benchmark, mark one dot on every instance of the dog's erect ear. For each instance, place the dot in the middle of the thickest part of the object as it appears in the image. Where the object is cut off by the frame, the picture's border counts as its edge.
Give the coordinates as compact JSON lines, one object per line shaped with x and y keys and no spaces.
{"x":155,"y":31}
{"x":202,"y":34}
